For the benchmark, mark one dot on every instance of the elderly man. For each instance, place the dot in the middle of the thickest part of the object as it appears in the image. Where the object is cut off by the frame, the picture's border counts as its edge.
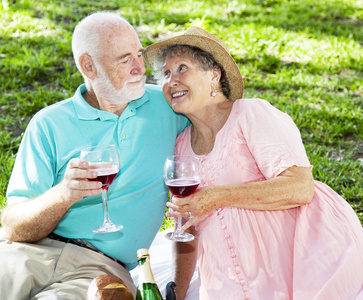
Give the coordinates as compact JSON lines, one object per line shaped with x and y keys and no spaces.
{"x":50,"y":250}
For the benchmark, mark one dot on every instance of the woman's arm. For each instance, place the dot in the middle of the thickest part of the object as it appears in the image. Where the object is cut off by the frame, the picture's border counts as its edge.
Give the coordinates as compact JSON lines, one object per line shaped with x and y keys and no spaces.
{"x":292,"y":188}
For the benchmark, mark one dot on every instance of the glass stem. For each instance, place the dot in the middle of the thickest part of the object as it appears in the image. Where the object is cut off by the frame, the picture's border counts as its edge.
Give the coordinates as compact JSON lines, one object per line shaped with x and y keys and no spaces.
{"x":106,"y":217}
{"x":180,"y":224}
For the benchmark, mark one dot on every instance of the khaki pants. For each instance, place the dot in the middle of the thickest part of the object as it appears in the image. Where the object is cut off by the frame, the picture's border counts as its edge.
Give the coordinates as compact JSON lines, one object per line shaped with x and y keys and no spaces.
{"x":51,"y":269}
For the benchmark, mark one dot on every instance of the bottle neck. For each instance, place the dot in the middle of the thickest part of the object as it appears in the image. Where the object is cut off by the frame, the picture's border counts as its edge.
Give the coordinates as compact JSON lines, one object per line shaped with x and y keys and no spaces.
{"x":145,"y":273}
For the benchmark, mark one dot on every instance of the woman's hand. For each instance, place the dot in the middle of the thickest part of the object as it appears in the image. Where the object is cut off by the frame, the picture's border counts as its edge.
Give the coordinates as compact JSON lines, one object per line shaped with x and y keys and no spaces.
{"x":199,"y":204}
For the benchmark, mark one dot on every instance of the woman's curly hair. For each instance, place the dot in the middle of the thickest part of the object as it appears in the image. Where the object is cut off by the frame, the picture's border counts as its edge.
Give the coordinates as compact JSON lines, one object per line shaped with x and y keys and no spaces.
{"x":203,"y":59}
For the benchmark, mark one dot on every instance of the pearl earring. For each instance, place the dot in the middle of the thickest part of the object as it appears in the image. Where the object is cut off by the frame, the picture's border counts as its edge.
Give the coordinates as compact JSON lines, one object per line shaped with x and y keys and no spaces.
{"x":214,"y":93}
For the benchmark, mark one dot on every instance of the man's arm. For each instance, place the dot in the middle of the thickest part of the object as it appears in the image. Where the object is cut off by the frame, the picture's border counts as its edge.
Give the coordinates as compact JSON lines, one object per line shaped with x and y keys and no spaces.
{"x":32,"y":220}
{"x":184,"y":264}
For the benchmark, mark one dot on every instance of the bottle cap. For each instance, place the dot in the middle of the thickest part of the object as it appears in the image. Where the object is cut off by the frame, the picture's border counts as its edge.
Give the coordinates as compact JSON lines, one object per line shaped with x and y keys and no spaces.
{"x":142,"y":252}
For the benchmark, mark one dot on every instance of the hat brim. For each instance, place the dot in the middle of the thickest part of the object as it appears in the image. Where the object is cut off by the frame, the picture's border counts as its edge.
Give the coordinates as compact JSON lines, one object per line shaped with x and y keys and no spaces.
{"x":220,"y":54}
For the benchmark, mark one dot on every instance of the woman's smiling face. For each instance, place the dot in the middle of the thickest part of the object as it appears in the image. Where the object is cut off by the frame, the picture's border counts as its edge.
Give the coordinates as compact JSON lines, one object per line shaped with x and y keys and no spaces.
{"x":186,"y":86}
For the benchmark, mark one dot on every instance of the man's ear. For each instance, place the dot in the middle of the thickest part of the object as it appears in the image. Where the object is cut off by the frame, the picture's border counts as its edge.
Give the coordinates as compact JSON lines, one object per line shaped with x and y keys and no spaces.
{"x":87,"y":66}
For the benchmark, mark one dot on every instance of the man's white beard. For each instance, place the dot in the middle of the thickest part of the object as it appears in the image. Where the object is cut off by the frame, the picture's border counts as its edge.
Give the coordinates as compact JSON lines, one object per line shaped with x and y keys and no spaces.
{"x":125,"y":94}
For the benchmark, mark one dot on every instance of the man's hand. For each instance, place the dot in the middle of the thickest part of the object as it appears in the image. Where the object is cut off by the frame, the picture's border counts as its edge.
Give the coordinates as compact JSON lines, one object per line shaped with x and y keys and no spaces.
{"x":75,"y":185}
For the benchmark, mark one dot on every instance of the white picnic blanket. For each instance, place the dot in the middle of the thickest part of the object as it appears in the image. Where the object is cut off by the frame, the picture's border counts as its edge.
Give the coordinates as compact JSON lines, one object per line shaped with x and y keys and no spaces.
{"x":160,"y":261}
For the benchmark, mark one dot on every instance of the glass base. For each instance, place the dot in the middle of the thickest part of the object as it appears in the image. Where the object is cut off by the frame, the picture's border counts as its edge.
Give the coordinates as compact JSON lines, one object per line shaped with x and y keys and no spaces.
{"x":107,"y":227}
{"x":179,"y":237}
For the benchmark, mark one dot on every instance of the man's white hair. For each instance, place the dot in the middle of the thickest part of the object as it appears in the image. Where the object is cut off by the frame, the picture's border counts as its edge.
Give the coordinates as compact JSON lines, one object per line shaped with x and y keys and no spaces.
{"x":86,"y":36}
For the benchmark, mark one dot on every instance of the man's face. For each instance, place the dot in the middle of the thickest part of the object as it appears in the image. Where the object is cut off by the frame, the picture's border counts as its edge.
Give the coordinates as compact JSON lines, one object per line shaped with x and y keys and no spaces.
{"x":120,"y":69}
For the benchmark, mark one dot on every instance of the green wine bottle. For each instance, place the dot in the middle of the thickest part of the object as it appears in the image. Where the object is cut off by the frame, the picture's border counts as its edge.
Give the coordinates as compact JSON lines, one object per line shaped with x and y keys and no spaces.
{"x":147,"y":288}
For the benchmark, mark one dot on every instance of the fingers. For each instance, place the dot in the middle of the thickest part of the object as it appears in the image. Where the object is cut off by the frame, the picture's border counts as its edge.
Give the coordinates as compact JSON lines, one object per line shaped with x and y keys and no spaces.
{"x":78,"y":181}
{"x":76,"y":189}
{"x":176,"y":214}
{"x":79,"y":169}
{"x":173,"y":206}
{"x":179,"y":207}
{"x":180,"y":200}
{"x":83,"y":185}
{"x":190,"y":223}
{"x":177,"y":211}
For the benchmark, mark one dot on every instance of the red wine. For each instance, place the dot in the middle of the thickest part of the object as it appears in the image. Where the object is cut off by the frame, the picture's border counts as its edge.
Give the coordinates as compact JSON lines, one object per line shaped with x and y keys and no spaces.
{"x":182,"y":187}
{"x":106,"y":176}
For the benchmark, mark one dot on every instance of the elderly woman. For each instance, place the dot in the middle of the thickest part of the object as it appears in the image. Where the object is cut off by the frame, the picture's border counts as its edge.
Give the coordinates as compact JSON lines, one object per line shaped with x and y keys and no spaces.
{"x":264,"y":228}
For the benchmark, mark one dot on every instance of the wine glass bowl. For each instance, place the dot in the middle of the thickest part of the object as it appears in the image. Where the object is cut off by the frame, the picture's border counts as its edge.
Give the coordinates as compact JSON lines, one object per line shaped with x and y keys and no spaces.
{"x":105,"y":161}
{"x":182,"y":176}
{"x":106,"y":173}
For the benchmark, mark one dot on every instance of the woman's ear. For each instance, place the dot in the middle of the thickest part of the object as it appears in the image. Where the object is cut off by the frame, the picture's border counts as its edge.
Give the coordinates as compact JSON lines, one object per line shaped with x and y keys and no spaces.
{"x":216,"y":76}
{"x":87,"y":66}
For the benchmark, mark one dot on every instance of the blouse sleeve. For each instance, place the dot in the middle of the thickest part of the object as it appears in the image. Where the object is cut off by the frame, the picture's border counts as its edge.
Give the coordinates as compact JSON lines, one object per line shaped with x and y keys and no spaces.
{"x":272,"y":137}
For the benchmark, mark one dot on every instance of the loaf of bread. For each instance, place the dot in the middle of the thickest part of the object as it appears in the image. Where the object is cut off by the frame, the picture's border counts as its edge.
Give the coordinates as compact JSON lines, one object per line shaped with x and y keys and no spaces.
{"x":108,"y":287}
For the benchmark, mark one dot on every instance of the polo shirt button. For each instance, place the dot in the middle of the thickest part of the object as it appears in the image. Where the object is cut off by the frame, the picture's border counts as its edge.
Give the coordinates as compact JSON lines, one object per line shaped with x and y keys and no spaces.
{"x":224,"y":226}
{"x":227,"y":236}
{"x":123,"y":136}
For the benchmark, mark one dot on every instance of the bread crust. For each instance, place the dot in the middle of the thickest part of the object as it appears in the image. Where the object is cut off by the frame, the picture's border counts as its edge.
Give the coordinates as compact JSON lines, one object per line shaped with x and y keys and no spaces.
{"x":108,"y":287}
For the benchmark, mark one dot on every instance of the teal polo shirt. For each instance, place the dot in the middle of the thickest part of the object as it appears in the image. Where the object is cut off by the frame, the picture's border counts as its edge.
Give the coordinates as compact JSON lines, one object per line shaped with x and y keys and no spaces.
{"x":145,"y":135}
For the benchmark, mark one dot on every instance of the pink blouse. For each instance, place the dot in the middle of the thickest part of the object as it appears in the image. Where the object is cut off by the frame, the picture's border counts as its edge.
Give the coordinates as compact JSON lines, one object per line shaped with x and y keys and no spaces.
{"x":311,"y":252}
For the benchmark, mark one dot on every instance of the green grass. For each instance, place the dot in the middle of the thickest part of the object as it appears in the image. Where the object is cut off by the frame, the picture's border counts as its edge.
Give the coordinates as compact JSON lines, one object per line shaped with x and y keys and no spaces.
{"x":305,"y":57}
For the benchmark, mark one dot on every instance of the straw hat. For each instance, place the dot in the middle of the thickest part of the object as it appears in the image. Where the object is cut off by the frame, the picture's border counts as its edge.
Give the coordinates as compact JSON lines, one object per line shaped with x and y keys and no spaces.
{"x":198,"y":37}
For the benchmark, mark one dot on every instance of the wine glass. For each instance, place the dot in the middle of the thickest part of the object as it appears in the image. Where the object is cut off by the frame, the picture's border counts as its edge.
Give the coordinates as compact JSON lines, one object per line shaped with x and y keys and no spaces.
{"x":105,"y":161}
{"x":182,"y":176}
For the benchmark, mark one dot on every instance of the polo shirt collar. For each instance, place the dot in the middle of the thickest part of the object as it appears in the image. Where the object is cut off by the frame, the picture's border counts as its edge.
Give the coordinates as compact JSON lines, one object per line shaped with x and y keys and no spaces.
{"x":87,"y":112}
